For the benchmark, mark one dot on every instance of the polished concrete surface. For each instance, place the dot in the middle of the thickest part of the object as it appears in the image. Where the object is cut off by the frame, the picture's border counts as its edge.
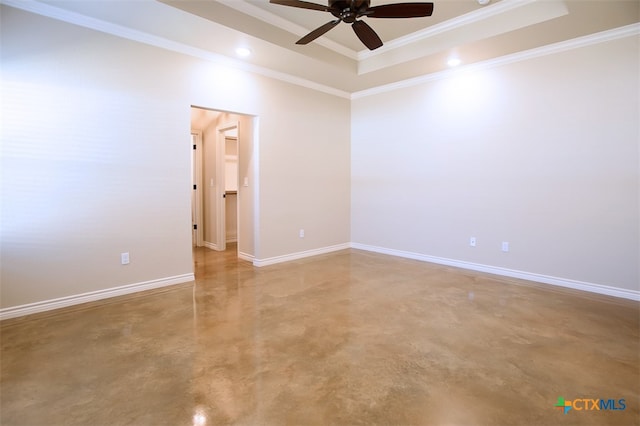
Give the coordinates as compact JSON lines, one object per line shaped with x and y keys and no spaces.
{"x":345,"y":338}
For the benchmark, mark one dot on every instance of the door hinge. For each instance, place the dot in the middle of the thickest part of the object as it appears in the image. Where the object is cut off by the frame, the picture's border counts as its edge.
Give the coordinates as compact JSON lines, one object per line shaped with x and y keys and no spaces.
{"x":195,"y":227}
{"x":224,"y":195}
{"x":194,"y":147}
{"x":194,"y":186}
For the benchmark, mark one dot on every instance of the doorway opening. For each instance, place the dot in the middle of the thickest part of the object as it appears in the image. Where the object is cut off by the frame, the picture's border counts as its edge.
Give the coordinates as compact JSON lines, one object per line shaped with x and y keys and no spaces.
{"x":224,"y":180}
{"x":227,"y":159}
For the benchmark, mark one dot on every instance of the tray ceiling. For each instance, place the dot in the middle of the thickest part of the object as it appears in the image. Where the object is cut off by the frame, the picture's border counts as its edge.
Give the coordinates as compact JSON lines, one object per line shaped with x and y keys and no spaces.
{"x":338,"y":61}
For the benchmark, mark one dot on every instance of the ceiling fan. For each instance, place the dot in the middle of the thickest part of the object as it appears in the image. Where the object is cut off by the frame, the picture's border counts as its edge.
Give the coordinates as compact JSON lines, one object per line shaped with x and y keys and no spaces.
{"x":350,"y":10}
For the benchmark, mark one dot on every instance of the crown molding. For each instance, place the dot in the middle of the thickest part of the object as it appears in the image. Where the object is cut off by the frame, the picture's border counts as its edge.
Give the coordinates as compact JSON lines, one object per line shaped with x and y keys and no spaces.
{"x":277,"y":21}
{"x":43,"y":9}
{"x":501,"y":18}
{"x":443,"y":27}
{"x":601,"y":37}
{"x":164,"y":43}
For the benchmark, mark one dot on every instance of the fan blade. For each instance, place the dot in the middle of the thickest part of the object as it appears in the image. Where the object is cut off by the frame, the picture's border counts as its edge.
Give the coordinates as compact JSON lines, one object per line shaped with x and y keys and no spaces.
{"x":366,"y":35}
{"x":357,"y":4}
{"x":400,"y":10}
{"x":318,"y":32}
{"x":301,"y":4}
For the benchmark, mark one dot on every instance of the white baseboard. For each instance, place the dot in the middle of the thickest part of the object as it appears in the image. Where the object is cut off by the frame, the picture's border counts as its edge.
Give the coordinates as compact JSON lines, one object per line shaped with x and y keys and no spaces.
{"x":299,"y":255}
{"x":241,"y":255}
{"x":209,"y":245}
{"x":212,"y":246}
{"x":62,"y":302}
{"x":545,"y":279}
{"x":47,"y":305}
{"x":245,"y":256}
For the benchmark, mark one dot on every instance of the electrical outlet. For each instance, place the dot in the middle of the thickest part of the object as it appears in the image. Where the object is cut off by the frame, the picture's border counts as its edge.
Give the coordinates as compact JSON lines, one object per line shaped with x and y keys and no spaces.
{"x":505,"y":246}
{"x":301,"y":233}
{"x":472,"y":241}
{"x":124,"y":258}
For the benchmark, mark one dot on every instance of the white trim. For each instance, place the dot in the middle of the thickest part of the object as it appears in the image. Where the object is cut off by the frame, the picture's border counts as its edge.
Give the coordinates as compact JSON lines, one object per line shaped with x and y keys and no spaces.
{"x":299,"y":255}
{"x":164,"y":43}
{"x":254,"y":181}
{"x":601,"y":37}
{"x":477,"y":15}
{"x":142,"y":37}
{"x":245,"y":256}
{"x":209,"y":245}
{"x":530,"y":276}
{"x":513,"y":15}
{"x":198,"y":205}
{"x":62,"y":302}
{"x":277,"y":21}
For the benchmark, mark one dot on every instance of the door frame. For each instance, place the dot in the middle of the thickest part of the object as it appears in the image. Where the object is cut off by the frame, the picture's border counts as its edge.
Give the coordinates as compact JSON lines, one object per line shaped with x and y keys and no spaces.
{"x":197,"y":200}
{"x":221,"y":205}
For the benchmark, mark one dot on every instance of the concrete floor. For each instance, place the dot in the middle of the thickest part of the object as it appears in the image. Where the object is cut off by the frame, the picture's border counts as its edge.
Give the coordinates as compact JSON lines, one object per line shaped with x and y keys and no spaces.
{"x":345,"y":338}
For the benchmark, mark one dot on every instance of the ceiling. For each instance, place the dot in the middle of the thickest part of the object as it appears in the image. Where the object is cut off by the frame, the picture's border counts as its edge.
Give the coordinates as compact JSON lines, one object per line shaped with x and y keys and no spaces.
{"x":338,"y":61}
{"x":415,"y":46}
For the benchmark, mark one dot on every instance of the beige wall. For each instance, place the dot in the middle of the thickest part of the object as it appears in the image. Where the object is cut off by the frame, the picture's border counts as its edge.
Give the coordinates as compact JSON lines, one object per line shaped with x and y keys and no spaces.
{"x":304,"y":172}
{"x":95,"y":160}
{"x":541,"y":153}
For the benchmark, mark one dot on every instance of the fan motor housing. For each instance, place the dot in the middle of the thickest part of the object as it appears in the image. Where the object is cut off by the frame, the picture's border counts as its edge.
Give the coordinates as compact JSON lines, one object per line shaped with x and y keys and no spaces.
{"x":348,"y":11}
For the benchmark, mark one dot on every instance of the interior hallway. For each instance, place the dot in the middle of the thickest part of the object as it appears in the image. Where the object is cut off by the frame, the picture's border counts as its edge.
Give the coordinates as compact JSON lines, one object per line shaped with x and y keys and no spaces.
{"x":345,"y":338}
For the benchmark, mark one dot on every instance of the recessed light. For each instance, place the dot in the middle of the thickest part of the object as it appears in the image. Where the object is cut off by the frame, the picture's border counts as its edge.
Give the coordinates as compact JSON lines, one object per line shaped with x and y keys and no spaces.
{"x":454,"y":62}
{"x":243,"y":52}
{"x":484,"y":2}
